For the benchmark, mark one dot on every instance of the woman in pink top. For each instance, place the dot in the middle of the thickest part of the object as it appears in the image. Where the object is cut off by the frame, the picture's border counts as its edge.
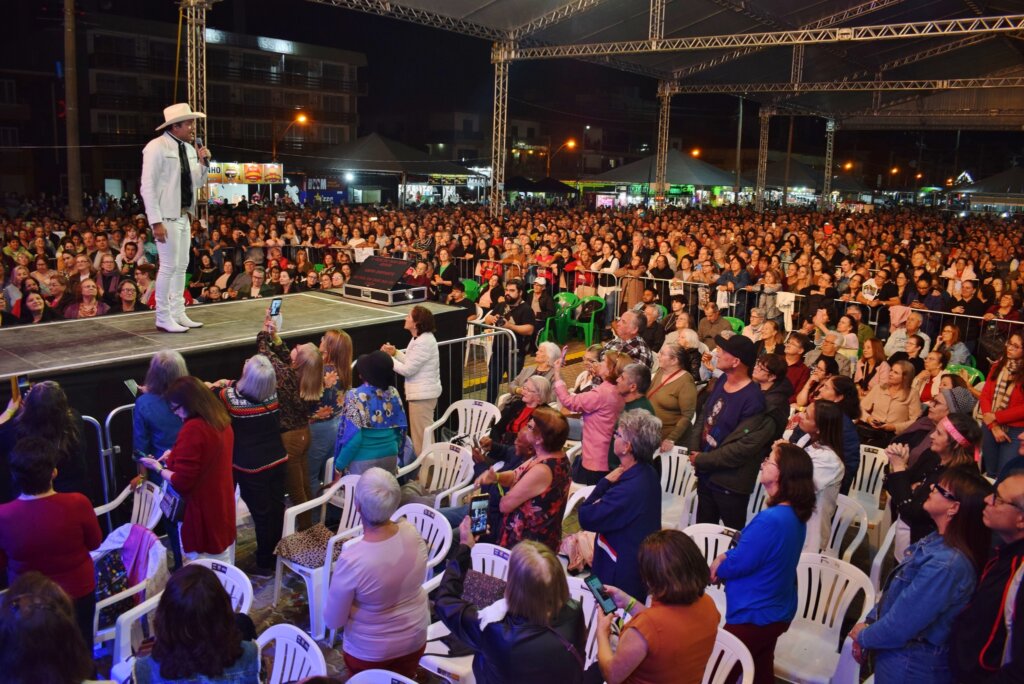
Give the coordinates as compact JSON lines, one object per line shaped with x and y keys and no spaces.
{"x":376,"y":591}
{"x":600,"y":408}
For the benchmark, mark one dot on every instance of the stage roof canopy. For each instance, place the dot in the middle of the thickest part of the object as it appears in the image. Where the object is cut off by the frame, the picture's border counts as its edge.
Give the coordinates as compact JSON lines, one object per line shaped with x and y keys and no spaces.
{"x":682,"y":169}
{"x":940,"y":64}
{"x":377,"y":154}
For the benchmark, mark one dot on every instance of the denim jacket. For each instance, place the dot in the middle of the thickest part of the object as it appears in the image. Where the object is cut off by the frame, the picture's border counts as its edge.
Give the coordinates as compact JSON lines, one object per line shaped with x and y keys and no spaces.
{"x":245,"y":670}
{"x":922,"y":597}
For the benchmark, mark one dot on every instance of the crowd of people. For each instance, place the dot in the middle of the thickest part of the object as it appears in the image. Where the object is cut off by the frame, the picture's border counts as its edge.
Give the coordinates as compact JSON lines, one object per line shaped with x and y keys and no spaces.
{"x":772,"y":346}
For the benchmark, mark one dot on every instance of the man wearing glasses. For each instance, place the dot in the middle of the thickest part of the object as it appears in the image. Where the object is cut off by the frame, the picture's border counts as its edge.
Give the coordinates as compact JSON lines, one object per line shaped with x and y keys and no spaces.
{"x":980,"y":651}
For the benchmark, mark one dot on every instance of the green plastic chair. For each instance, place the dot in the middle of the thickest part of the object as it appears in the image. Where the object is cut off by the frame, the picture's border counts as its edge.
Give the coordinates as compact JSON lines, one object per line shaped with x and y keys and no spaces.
{"x":663,"y":311}
{"x":318,"y":267}
{"x":974,"y":376}
{"x":737,"y":324}
{"x":472,"y":289}
{"x":588,"y":326}
{"x":565,"y":304}
{"x":971,"y":361}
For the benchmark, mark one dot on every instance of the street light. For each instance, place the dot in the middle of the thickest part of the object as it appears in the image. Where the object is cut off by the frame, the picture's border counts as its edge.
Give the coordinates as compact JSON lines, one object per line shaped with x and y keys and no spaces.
{"x":695,"y":152}
{"x":570,"y":143}
{"x":848,"y":166}
{"x":301,"y":119}
{"x":894,"y":170}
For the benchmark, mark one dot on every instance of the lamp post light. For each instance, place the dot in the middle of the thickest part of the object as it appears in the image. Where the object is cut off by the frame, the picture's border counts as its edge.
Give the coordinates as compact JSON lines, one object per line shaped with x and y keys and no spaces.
{"x":570,"y":143}
{"x":300,"y":119}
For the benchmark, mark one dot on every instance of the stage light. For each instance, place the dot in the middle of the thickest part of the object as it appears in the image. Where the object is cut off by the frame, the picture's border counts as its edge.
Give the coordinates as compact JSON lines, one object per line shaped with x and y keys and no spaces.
{"x":349,"y":177}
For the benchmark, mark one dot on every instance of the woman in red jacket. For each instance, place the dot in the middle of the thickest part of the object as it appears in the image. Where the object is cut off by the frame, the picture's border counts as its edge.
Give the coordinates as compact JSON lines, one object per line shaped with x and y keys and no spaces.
{"x":198,"y":466}
{"x":1002,"y":407}
{"x":50,"y":532}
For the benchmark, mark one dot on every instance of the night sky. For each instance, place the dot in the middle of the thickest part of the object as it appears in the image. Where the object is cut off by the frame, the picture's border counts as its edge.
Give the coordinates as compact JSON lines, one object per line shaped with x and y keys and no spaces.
{"x":415,"y":68}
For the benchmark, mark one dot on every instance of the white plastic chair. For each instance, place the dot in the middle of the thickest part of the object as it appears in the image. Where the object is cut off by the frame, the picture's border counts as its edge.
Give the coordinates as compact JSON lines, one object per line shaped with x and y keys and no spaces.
{"x":123,"y":628}
{"x":475,"y":418}
{"x":578,"y":590}
{"x":712,"y":540}
{"x":573,"y":452}
{"x":485,"y":343}
{"x":436,"y":532}
{"x":689,"y":513}
{"x":848,"y":512}
{"x":145,"y":504}
{"x":826,"y":588}
{"x":866,"y":487}
{"x":677,"y":479}
{"x":758,"y":500}
{"x":447,"y":471}
{"x":487,"y":559}
{"x":296,"y":656}
{"x":727,"y":653}
{"x":490,"y":559}
{"x":380,"y":677}
{"x":234,"y":581}
{"x":340,"y":495}
{"x":152,"y":572}
{"x":880,"y":556}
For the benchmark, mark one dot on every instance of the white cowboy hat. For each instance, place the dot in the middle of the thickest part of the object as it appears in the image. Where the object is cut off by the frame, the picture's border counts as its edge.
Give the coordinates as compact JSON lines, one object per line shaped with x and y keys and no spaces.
{"x":177,"y":113}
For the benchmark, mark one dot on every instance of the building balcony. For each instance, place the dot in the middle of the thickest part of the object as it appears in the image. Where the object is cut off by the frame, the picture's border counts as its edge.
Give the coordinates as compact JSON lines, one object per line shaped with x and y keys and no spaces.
{"x":153,"y":105}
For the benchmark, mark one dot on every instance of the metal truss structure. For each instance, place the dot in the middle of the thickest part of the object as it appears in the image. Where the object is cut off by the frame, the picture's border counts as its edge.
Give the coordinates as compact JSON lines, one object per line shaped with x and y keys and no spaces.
{"x":762,"y":158}
{"x":499,"y":131}
{"x":519,"y":39}
{"x":195,"y":20}
{"x":830,"y":142}
{"x":919,"y":29}
{"x":849,"y":86}
{"x":661,"y":154}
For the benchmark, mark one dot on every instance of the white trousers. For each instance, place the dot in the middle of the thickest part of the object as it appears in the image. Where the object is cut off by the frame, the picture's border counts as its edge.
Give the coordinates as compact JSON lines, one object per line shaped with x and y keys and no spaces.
{"x":170,"y":277}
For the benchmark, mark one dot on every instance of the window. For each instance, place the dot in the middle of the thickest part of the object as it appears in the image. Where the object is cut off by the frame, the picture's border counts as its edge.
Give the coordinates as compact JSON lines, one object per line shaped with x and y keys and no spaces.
{"x":117,"y":123}
{"x":331,"y":135}
{"x":467,"y":125}
{"x":116,"y":84}
{"x":219,"y":128}
{"x":530,"y":133}
{"x":256,"y":97}
{"x":8,"y":136}
{"x":8,"y":91}
{"x":255,"y":130}
{"x":515,"y":132}
{"x":114,"y":45}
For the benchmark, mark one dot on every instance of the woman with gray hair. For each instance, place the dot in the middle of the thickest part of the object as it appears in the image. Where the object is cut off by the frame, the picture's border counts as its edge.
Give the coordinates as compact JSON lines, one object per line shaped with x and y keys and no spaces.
{"x":154,"y":425}
{"x":376,"y":593}
{"x":625,"y":505}
{"x":547,"y":354}
{"x":498,"y":445}
{"x":258,"y":456}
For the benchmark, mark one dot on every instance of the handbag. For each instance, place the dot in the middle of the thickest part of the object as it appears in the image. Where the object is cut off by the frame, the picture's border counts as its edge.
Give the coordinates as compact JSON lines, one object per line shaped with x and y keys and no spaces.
{"x":172,"y":505}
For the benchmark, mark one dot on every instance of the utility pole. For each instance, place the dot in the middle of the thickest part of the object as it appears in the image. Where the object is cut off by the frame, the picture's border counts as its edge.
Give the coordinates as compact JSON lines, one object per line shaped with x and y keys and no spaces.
{"x":75,"y":210}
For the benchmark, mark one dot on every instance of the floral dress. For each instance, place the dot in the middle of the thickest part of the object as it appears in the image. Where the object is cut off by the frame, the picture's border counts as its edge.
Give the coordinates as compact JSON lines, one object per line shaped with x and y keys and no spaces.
{"x":540,"y":518}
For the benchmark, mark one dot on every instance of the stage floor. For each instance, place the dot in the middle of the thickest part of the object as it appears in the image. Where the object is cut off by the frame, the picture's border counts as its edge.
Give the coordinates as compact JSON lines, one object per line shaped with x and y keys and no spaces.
{"x":49,"y":348}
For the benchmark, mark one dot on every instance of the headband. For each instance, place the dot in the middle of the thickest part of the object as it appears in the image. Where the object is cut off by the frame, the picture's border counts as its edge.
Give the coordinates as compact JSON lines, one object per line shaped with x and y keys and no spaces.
{"x":947,"y":425}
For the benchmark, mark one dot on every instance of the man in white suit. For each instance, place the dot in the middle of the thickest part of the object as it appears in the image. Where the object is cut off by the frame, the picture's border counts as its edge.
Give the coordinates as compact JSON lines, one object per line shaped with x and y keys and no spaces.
{"x":173,"y":170}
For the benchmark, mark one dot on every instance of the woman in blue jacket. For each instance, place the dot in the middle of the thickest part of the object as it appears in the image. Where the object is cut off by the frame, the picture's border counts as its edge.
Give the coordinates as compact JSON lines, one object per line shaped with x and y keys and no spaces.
{"x":625,"y":505}
{"x":373,"y":422}
{"x":909,"y":628}
{"x":760,"y":572}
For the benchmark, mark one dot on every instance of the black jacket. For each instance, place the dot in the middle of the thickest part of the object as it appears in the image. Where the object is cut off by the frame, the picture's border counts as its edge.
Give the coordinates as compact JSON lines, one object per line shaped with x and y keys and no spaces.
{"x":735,"y":463}
{"x":979,"y":632}
{"x":512,"y":650}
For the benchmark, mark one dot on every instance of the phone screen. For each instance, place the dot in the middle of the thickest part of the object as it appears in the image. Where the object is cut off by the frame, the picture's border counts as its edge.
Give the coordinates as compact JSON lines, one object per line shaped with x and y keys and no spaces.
{"x":596,"y":587}
{"x":23,"y":385}
{"x":132,"y":386}
{"x":275,"y":306}
{"x":478,"y":513}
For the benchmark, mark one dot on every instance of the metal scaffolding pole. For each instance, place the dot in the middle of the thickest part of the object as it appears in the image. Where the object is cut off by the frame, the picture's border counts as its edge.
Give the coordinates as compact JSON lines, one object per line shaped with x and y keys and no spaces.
{"x":195,"y":17}
{"x":499,"y":126}
{"x":739,"y":148}
{"x":789,"y":157}
{"x":661,"y":157}
{"x":826,"y":187}
{"x":76,"y":212}
{"x":656,"y":24}
{"x":762,"y":158}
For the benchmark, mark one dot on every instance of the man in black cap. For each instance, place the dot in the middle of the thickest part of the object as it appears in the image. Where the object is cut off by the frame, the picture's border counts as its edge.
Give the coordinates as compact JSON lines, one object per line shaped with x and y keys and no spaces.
{"x":735,"y":434}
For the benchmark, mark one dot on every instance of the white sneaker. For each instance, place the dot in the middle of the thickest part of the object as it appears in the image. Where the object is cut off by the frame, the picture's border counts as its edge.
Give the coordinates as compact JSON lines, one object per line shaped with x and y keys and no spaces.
{"x":187,"y":322}
{"x":170,"y":326}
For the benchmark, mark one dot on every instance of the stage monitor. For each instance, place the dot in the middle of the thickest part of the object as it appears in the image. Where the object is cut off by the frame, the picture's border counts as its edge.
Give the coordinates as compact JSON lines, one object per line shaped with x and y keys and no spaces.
{"x":380,"y":273}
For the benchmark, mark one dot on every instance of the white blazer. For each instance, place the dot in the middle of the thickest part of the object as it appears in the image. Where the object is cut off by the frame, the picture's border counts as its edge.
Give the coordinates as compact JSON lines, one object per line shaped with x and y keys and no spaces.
{"x":420,"y":365}
{"x":161,"y":178}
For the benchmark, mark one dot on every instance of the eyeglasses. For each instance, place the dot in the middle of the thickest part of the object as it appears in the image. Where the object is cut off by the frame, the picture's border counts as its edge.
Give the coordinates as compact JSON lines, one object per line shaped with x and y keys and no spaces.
{"x":943,"y":492}
{"x":768,"y":461}
{"x":998,"y":501}
{"x":1014,"y":345}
